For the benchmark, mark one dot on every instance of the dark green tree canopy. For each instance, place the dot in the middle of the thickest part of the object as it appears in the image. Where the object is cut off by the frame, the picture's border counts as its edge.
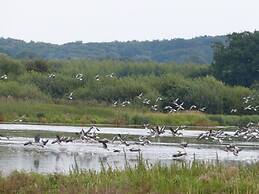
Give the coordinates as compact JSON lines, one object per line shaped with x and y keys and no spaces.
{"x":9,"y":65}
{"x":237,"y":61}
{"x":38,"y":65}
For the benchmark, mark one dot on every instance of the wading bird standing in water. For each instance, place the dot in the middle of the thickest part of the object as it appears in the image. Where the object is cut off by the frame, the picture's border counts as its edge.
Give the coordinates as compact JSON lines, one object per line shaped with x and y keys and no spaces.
{"x":179,"y":154}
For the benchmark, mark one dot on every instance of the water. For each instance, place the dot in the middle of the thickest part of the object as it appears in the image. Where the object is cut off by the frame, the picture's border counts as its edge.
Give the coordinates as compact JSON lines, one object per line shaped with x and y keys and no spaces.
{"x":105,"y":130}
{"x":91,"y":155}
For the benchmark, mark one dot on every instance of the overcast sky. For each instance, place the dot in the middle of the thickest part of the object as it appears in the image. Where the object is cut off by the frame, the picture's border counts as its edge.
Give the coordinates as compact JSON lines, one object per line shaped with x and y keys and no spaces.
{"x":60,"y":21}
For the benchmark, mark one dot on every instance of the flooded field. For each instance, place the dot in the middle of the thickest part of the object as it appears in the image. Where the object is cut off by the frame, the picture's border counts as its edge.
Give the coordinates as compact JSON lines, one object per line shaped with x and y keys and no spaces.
{"x":91,"y":155}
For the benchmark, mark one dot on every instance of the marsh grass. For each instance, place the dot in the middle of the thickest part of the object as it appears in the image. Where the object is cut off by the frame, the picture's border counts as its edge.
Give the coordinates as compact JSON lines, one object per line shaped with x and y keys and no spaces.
{"x":88,"y":113}
{"x":193,"y":177}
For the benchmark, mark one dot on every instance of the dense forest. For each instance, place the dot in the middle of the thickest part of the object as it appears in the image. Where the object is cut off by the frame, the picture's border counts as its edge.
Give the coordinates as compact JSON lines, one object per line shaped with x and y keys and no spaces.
{"x":196,"y":51}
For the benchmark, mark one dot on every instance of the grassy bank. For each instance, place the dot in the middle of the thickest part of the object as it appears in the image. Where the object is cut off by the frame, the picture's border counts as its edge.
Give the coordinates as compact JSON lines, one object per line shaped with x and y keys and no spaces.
{"x":198,"y":178}
{"x":83,"y":113}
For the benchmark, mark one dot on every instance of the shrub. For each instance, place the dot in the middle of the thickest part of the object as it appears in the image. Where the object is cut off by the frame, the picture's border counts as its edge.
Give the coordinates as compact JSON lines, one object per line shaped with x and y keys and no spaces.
{"x":10,"y":66}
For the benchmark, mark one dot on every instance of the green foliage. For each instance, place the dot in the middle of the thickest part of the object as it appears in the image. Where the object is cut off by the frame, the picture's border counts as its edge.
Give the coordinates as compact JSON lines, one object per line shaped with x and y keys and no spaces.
{"x":10,"y":66}
{"x":37,"y":65}
{"x":192,"y":84}
{"x":196,"y":51}
{"x":237,"y":63}
{"x":12,"y":89}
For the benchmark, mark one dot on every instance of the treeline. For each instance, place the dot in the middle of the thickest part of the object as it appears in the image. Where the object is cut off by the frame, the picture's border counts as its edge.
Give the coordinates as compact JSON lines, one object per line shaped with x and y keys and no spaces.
{"x":108,"y":81}
{"x":196,"y":51}
{"x":237,"y":62}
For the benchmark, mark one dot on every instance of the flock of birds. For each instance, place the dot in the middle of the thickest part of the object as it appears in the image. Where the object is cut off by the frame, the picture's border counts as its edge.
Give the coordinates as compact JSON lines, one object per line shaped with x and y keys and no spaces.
{"x":250,"y":132}
{"x":248,"y":106}
{"x":247,"y":133}
{"x":174,"y":106}
{"x":81,"y":77}
{"x":154,"y":105}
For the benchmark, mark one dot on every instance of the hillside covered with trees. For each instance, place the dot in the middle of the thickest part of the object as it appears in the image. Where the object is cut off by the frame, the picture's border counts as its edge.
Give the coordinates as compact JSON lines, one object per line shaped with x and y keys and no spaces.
{"x":196,"y":51}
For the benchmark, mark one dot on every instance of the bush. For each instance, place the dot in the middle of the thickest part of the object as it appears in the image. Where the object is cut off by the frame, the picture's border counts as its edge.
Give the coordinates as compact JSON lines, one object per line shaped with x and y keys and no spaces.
{"x":23,"y":91}
{"x":38,"y":66}
{"x":10,"y":66}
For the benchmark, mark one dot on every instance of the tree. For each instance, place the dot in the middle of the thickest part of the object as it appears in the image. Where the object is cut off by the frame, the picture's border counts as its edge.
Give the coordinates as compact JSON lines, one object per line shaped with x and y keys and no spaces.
{"x":38,"y":66}
{"x":10,"y":66}
{"x":237,"y":61}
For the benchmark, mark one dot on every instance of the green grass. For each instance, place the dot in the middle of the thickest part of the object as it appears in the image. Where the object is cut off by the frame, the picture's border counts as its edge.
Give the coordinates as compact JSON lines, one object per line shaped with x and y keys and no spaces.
{"x":87,"y":113}
{"x":183,"y":178}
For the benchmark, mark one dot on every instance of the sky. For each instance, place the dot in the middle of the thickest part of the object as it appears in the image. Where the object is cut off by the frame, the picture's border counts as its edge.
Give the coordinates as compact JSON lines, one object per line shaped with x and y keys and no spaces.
{"x":61,"y":21}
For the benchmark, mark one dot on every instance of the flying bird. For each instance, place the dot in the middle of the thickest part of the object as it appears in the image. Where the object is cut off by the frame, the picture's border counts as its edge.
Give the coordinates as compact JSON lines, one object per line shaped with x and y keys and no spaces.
{"x":4,"y":77}
{"x":70,"y":97}
{"x":97,"y":77}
